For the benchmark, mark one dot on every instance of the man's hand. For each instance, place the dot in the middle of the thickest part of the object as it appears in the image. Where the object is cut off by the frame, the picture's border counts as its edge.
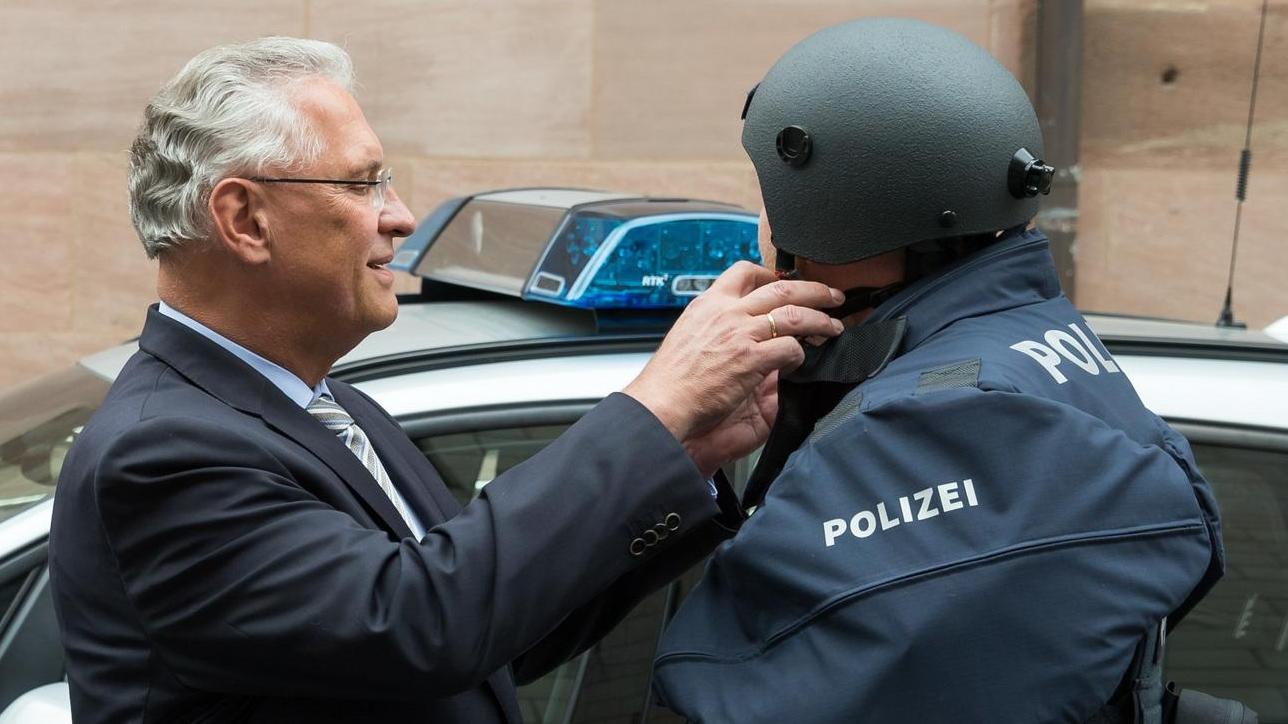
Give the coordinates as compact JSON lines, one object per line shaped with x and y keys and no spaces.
{"x":711,"y":381}
{"x":744,"y":430}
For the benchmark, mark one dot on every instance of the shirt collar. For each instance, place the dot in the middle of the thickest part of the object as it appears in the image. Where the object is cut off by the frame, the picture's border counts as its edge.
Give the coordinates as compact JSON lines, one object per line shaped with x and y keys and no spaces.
{"x":290,"y":385}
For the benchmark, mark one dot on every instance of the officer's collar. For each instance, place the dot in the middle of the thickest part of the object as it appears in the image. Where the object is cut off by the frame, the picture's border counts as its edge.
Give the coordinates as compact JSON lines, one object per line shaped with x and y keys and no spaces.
{"x":1013,"y":271}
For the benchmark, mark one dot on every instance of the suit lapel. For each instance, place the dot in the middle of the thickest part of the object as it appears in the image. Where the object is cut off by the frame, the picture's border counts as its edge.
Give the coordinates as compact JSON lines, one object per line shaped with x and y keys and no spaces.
{"x":219,"y":372}
{"x":421,"y":485}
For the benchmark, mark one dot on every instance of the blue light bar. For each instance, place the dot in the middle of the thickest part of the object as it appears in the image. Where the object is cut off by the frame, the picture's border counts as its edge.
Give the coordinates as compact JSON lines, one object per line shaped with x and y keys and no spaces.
{"x":581,"y":248}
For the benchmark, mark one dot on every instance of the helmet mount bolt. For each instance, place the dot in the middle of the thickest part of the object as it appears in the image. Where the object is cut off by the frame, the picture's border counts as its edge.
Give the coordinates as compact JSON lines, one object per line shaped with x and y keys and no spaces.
{"x":948,"y":219}
{"x":794,"y":146}
{"x":1028,"y":175}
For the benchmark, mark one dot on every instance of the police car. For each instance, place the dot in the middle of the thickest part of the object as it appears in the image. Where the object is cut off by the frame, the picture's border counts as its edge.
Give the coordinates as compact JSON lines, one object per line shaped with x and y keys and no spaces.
{"x":537,"y":303}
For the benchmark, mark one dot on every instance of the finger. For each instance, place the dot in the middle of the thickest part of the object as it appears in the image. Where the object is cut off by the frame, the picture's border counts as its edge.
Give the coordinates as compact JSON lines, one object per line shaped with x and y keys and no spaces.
{"x":784,"y":292}
{"x":782,"y":353}
{"x":794,"y":321}
{"x":742,"y":278}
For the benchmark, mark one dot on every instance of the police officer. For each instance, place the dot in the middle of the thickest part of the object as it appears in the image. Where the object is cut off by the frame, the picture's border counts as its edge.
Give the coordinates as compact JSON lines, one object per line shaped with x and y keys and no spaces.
{"x":964,"y":512}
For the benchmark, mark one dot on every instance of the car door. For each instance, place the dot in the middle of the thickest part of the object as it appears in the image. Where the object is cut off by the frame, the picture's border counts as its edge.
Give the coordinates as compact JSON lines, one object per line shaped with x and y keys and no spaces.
{"x":30,"y":652}
{"x":38,"y":422}
{"x":610,"y":682}
{"x":1235,"y":642}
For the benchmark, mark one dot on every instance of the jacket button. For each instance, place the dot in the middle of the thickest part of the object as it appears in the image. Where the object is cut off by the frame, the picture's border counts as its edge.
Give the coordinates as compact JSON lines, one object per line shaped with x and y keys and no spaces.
{"x":637,"y":547}
{"x":673,"y":521}
{"x":662,"y":531}
{"x":650,"y":537}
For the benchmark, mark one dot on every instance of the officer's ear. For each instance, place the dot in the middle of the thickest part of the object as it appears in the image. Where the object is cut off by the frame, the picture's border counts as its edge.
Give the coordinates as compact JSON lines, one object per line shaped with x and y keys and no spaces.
{"x":765,"y":244}
{"x":238,"y":208}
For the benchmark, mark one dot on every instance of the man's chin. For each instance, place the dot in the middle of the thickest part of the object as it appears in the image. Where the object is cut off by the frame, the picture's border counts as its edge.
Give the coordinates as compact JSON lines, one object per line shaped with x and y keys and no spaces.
{"x":385,"y":314}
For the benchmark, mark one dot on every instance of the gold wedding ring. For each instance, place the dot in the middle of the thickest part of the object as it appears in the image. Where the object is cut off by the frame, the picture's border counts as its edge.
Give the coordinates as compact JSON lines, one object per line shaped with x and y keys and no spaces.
{"x":773,"y":327}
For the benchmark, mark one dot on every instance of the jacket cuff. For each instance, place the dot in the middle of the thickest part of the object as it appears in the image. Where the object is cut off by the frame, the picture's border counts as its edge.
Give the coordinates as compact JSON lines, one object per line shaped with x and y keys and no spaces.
{"x":731,"y":514}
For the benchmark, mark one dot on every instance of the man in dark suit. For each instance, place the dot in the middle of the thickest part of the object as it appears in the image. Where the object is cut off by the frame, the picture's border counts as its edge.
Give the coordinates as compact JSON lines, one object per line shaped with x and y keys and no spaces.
{"x":238,"y":538}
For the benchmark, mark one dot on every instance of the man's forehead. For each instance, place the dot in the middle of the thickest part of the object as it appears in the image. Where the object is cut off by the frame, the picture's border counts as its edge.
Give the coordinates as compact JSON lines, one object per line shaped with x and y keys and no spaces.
{"x":339,"y":119}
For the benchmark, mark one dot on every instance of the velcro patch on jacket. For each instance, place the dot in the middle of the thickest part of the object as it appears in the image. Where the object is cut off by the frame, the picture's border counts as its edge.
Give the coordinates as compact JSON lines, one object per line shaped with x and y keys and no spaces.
{"x":846,"y":409}
{"x":955,"y":376}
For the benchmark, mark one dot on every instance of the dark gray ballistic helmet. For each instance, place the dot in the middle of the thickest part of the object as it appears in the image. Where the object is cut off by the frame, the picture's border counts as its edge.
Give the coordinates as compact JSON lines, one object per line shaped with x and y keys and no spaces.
{"x":876,"y":134}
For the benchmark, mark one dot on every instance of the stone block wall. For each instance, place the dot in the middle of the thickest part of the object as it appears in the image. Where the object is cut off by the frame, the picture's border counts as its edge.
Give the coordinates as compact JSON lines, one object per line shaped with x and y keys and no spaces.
{"x":632,"y":96}
{"x":1164,"y":111}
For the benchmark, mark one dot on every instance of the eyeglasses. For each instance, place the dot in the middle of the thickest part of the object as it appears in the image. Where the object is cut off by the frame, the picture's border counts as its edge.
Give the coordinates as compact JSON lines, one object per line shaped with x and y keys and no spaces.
{"x":378,"y":187}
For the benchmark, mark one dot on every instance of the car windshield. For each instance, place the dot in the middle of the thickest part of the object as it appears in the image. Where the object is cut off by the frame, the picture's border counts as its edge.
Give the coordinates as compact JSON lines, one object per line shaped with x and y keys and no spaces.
{"x":38,"y":422}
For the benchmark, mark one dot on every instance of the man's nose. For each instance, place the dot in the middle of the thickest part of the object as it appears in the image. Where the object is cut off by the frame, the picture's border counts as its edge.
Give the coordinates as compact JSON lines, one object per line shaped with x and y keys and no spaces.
{"x":395,"y":218}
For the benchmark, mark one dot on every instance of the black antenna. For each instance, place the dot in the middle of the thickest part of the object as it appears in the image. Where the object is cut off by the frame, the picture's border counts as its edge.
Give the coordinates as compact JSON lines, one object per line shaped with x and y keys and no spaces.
{"x":1241,"y":190}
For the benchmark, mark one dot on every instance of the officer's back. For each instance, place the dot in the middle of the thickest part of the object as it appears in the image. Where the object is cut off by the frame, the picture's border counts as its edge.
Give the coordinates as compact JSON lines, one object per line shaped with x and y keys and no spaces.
{"x":965,"y":512}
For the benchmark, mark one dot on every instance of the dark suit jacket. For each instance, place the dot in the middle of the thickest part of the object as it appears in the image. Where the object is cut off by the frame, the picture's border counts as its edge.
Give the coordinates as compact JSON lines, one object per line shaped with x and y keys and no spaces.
{"x":218,"y":555}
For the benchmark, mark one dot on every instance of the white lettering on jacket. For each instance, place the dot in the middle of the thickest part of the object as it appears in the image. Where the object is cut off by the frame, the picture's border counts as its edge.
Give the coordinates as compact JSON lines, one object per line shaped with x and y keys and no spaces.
{"x":1060,"y":346}
{"x":926,"y":504}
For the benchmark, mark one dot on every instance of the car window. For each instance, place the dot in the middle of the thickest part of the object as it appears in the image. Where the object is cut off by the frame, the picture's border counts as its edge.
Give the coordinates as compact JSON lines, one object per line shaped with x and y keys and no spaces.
{"x":38,"y":422}
{"x":1235,"y":642}
{"x":608,"y":683}
{"x":469,"y":460}
{"x":29,"y":654}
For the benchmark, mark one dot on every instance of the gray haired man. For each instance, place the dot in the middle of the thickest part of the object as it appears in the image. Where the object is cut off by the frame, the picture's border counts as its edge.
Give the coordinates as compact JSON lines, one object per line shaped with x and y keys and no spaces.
{"x":238,"y":538}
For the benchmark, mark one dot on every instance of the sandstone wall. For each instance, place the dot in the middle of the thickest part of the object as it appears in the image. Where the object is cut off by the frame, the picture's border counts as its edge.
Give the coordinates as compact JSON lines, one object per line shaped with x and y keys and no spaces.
{"x":1165,"y":107}
{"x":637,"y":96}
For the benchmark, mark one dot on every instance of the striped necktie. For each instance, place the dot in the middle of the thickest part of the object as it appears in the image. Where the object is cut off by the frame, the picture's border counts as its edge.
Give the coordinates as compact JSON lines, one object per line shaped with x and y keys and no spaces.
{"x":325,"y":410}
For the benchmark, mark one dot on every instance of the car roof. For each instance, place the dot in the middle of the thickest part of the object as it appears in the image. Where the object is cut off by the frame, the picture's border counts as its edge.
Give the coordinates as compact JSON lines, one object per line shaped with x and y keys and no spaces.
{"x":429,"y":326}
{"x":1127,"y":330}
{"x":439,"y":325}
{"x":426,"y":327}
{"x":1182,"y":371}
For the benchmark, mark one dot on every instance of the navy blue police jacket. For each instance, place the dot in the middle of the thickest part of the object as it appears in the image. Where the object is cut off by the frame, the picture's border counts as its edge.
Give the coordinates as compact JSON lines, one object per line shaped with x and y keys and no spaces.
{"x":980,"y":532}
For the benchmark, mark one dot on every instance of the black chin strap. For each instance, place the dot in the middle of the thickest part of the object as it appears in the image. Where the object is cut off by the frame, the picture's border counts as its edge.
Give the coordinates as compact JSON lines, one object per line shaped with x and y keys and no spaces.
{"x":859,"y":298}
{"x":856,"y":299}
{"x":808,"y":393}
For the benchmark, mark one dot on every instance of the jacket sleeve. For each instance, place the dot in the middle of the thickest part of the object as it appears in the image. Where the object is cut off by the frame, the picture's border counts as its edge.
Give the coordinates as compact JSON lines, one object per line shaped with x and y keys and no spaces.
{"x":588,"y":624}
{"x":246,"y":582}
{"x":585,"y":626}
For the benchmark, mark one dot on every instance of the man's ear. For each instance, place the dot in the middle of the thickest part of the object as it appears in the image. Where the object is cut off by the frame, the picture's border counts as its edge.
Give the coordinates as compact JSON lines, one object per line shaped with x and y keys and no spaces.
{"x":237,"y":206}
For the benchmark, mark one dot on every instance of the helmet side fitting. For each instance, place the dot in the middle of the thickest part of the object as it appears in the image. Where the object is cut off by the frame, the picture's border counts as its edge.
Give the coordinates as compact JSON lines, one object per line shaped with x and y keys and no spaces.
{"x":884,"y":134}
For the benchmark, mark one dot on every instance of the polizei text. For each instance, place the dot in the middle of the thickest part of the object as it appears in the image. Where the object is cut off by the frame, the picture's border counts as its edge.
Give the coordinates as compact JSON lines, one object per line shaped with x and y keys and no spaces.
{"x":921,"y":505}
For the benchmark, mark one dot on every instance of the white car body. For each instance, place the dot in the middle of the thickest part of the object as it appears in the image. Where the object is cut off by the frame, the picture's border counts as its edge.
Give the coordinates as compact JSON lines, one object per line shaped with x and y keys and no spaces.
{"x":443,"y":361}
